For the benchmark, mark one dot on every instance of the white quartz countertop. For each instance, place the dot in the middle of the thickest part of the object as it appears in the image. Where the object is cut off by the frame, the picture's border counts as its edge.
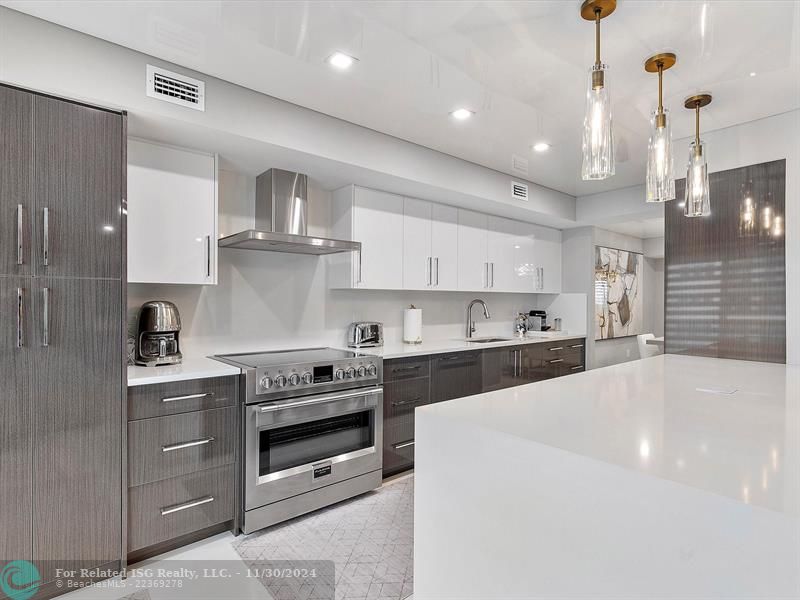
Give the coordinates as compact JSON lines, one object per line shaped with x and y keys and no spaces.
{"x":198,"y":367}
{"x":723,"y":426}
{"x":401,"y":350}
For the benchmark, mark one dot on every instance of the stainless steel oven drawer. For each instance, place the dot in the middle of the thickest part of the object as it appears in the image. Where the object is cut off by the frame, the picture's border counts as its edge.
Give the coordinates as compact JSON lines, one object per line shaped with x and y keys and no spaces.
{"x":180,"y":444}
{"x":160,"y":399}
{"x":170,"y":508}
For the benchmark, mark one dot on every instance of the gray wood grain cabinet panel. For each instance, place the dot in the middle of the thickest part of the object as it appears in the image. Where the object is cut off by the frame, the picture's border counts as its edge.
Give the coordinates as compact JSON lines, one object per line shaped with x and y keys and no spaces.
{"x":157,"y":400}
{"x":170,"y":508}
{"x":77,"y":457}
{"x":179,"y":444}
{"x":15,"y":421}
{"x":78,"y":189}
{"x":16,"y":177}
{"x":456,"y":375}
{"x":400,"y":399}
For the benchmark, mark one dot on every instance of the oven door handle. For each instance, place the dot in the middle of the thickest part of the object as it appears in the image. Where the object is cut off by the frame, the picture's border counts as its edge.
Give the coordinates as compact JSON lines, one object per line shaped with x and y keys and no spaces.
{"x":312,"y":401}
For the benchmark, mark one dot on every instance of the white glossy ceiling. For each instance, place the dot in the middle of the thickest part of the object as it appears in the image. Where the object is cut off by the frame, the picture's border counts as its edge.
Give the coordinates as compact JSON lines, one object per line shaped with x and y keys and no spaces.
{"x":521,"y":66}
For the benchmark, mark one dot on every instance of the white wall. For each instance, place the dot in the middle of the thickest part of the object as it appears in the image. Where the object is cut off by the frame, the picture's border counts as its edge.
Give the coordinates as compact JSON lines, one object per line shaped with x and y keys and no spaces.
{"x":267,"y":300}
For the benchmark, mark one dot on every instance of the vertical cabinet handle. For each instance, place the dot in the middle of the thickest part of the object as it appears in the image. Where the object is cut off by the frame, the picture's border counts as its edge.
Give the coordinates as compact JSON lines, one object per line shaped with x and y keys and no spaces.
{"x":486,"y":273}
{"x":492,"y":274}
{"x":541,"y":278}
{"x":20,"y":341}
{"x":429,"y":270}
{"x":436,"y":262}
{"x":358,"y":279}
{"x":46,"y":236}
{"x":208,"y":256}
{"x":45,"y":317}
{"x":19,"y":234}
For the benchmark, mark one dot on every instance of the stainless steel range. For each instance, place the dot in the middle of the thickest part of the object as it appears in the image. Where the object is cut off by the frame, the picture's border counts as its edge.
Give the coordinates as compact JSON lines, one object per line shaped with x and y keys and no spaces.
{"x":312,"y":430}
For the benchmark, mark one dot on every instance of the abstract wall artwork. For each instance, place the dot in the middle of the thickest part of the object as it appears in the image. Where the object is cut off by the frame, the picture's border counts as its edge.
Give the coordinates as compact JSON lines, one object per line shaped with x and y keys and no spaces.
{"x":617,"y":293}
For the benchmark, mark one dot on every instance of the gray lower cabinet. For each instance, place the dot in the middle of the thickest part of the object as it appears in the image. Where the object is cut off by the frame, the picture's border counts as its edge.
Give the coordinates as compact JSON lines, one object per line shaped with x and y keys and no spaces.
{"x":413,"y":382}
{"x":183,"y":440}
{"x":15,"y":422}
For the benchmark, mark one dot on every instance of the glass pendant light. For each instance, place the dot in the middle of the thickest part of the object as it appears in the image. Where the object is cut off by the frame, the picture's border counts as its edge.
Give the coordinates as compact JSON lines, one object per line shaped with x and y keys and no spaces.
{"x":697,"y":201}
{"x":598,"y":138}
{"x":660,"y":173}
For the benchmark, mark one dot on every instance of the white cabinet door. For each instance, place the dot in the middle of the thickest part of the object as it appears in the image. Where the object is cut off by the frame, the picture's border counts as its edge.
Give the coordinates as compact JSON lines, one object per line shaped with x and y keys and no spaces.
{"x":548,"y":260}
{"x":378,"y":225}
{"x":444,"y":246}
{"x":511,"y":249}
{"x":417,"y":254}
{"x":172,"y":215}
{"x":472,"y":258}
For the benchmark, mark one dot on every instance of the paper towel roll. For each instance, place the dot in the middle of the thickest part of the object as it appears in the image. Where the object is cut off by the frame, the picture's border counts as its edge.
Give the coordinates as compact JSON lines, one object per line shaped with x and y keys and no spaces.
{"x":412,"y":326}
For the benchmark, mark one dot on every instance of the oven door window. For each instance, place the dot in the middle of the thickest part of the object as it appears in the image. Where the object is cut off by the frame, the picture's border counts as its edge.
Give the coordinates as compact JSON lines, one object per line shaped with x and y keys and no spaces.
{"x":303,"y":443}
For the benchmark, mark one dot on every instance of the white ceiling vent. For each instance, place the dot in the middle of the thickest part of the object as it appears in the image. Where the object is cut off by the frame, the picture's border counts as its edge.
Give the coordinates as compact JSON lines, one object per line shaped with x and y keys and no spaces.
{"x":519,"y":191}
{"x":175,"y":88}
{"x":519,"y":164}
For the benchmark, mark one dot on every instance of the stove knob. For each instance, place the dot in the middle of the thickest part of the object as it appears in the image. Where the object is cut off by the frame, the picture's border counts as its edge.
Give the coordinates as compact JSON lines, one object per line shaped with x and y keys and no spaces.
{"x":308,"y":378}
{"x":372,"y":370}
{"x":339,"y":374}
{"x":362,"y":370}
{"x":294,"y":379}
{"x":351,"y":373}
{"x":266,"y":382}
{"x":280,"y":381}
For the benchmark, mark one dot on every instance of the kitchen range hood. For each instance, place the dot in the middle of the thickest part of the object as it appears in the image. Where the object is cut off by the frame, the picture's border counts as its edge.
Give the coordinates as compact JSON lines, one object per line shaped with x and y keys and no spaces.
{"x":281,"y":223}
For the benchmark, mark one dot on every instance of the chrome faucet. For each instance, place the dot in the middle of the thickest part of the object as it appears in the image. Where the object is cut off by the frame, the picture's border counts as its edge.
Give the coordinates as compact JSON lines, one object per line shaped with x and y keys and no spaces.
{"x":470,"y":322}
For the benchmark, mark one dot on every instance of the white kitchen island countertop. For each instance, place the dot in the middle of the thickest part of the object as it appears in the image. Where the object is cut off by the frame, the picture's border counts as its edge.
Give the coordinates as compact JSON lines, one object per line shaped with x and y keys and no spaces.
{"x":402,"y":350}
{"x":669,"y":477}
{"x":192,"y":367}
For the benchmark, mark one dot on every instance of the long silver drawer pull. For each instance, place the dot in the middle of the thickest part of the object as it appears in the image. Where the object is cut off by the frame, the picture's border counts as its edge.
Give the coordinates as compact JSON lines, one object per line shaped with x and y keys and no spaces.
{"x":168,"y":510}
{"x":486,"y":268}
{"x":556,"y":348}
{"x":402,"y":445}
{"x":19,"y":234}
{"x":577,"y":346}
{"x":208,"y":256}
{"x":46,"y":237}
{"x":404,"y":402}
{"x":557,"y":360}
{"x":188,"y":397}
{"x":492,"y":274}
{"x":45,"y":317}
{"x":406,"y":369}
{"x":182,"y":445}
{"x":20,"y":341}
{"x":576,"y":368}
{"x":324,"y":399}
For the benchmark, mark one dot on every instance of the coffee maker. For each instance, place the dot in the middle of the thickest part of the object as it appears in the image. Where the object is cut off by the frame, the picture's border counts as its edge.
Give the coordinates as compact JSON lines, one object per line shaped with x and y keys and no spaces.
{"x":537,"y":320}
{"x":157,"y":338}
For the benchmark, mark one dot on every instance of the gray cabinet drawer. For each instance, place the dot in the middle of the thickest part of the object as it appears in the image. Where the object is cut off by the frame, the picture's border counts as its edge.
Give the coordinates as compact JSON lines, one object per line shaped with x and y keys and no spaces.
{"x":167,"y":509}
{"x":406,"y":368}
{"x":159,"y":399}
{"x":179,"y":444}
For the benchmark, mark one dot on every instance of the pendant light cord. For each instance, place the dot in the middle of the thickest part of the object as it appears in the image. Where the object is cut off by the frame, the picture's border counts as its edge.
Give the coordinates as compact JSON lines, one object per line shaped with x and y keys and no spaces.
{"x":660,"y":88}
{"x":597,"y":13}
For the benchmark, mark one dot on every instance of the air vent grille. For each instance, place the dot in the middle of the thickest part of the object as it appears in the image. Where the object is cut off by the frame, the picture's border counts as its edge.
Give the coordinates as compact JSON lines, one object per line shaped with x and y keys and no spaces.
{"x":519,"y":191}
{"x":175,"y":88}
{"x":519,"y":164}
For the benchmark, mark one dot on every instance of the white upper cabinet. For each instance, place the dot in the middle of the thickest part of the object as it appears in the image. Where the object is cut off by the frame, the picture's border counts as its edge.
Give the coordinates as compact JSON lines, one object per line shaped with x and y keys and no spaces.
{"x":430,"y":245}
{"x":444,"y":246}
{"x":376,"y":220}
{"x":473,"y":263}
{"x":172,"y":214}
{"x":511,"y":255}
{"x":548,"y":259}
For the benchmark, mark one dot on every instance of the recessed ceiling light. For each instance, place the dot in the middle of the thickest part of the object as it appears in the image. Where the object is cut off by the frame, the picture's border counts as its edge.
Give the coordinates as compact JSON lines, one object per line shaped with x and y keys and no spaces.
{"x":541,"y":147}
{"x":340,"y":60}
{"x":752,"y":73}
{"x":461,"y":114}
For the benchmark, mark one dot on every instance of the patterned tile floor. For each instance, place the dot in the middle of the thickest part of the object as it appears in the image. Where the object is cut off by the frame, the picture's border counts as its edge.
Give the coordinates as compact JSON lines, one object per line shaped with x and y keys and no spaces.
{"x":369,"y":539}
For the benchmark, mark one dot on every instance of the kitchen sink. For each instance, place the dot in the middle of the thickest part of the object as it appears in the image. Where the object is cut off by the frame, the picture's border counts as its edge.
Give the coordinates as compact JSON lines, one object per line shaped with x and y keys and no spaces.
{"x":488,"y":340}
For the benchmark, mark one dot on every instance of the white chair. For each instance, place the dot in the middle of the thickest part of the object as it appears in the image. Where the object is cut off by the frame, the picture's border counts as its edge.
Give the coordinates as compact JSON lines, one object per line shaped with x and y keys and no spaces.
{"x":647,"y":350}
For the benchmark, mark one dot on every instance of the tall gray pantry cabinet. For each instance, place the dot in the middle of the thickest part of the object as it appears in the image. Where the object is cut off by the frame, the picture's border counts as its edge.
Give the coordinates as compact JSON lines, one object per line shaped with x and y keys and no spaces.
{"x":62,"y":332}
